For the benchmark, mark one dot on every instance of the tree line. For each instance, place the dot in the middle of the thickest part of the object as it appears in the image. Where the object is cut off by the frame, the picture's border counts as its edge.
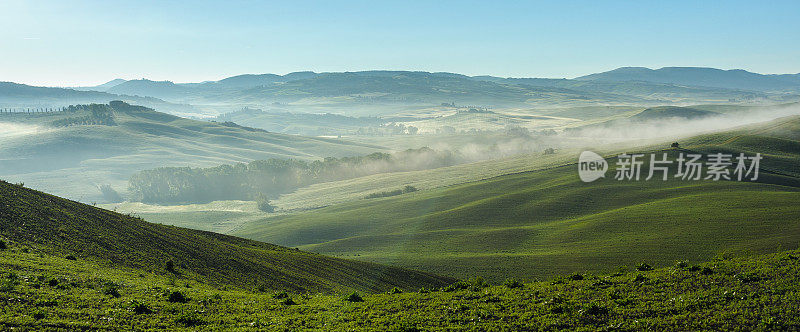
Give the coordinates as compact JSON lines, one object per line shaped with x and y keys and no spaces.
{"x":272,"y":177}
{"x":96,"y":114}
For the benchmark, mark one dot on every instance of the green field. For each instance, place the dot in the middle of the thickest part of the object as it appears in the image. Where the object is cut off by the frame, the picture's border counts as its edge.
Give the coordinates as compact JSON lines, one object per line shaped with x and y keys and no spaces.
{"x":543,"y":223}
{"x":487,"y":228}
{"x":44,"y":292}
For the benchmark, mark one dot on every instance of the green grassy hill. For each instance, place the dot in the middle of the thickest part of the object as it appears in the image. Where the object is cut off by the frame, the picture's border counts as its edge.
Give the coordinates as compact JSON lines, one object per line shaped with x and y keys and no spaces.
{"x":73,"y":160}
{"x":546,"y":222}
{"x":43,"y":292}
{"x":48,"y":224}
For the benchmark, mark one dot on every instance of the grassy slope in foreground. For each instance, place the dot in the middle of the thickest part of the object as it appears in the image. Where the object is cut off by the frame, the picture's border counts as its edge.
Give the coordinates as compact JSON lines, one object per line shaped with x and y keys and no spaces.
{"x":547,"y":222}
{"x":760,"y":293}
{"x":53,"y":225}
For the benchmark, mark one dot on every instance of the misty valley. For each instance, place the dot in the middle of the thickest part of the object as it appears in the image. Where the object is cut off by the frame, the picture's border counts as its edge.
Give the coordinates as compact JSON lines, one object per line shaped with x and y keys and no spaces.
{"x":179,"y":197}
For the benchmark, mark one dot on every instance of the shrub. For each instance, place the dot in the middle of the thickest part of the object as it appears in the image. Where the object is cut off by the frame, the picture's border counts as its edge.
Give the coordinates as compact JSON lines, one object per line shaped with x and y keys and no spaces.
{"x":384,"y":194}
{"x":263,"y":203}
{"x":288,"y":301}
{"x":749,"y":277}
{"x":640,"y":278}
{"x":576,"y":276}
{"x":682,"y":264}
{"x":458,"y":285}
{"x":409,"y":189}
{"x":170,"y":266}
{"x":53,"y":282}
{"x":281,"y":295}
{"x":512,"y":283}
{"x":707,"y":271}
{"x":140,"y":308}
{"x":395,"y":291}
{"x":478,"y":283}
{"x":643,"y":267}
{"x":110,"y":289}
{"x":3,"y":245}
{"x":354,"y":297}
{"x":38,"y":314}
{"x":189,"y":319}
{"x":177,"y":297}
{"x":70,"y":257}
{"x":404,"y":190}
{"x":8,"y":284}
{"x":595,"y":309}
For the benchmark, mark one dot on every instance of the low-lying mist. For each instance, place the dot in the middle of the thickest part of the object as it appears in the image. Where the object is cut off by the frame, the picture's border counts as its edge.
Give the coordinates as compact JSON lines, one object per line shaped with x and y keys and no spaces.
{"x":673,"y":128}
{"x":8,"y":129}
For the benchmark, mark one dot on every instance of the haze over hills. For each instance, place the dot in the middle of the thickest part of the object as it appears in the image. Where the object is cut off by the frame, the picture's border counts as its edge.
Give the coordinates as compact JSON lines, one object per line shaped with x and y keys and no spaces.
{"x":21,"y":97}
{"x":87,"y":146}
{"x":80,"y":267}
{"x":672,"y":84}
{"x":547,"y":222}
{"x":102,"y":87}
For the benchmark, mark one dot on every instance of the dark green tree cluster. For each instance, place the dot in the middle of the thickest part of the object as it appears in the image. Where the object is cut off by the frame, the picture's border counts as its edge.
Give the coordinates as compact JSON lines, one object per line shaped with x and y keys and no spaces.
{"x":404,"y":190}
{"x":96,"y":114}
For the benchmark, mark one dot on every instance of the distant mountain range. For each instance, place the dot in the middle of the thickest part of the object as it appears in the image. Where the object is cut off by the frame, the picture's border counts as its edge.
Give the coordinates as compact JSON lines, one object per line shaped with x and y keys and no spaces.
{"x":688,"y":76}
{"x":623,"y":86}
{"x":619,"y":86}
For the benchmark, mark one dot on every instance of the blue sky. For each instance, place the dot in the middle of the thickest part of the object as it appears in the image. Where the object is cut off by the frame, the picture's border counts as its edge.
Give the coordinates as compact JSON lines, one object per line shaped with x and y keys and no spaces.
{"x":63,"y":43}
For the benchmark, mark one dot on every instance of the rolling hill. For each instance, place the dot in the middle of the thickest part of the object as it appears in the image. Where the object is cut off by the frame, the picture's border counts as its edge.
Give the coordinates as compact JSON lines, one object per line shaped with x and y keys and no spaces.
{"x":157,"y":89}
{"x":72,"y":160}
{"x":699,"y":76}
{"x":102,"y":87}
{"x":546,"y":222}
{"x":55,"y":226}
{"x":367,"y":87}
{"x":21,"y":96}
{"x":623,"y":86}
{"x":44,"y":292}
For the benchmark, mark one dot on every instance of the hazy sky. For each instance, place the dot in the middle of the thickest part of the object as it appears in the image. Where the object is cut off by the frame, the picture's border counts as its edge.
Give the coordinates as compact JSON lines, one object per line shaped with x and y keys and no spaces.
{"x":62,"y":43}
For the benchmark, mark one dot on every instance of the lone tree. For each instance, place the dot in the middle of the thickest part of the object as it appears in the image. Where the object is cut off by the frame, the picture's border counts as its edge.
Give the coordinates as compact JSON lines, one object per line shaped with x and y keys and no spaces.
{"x":263,"y":203}
{"x":675,"y":145}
